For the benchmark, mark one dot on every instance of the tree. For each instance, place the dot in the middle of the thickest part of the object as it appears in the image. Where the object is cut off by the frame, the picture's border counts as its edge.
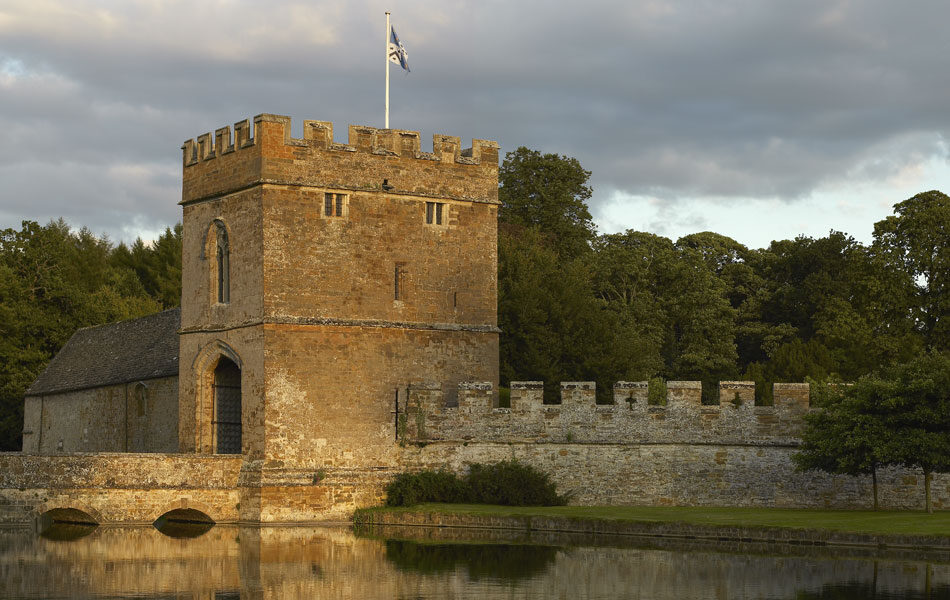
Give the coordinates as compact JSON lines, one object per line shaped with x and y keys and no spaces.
{"x":52,"y":282}
{"x":554,"y":329}
{"x":917,"y":239}
{"x":671,"y":302}
{"x":157,"y":265}
{"x":900,"y":416}
{"x":847,"y":437}
{"x":628,"y":270}
{"x":549,"y":192}
{"x":916,"y":398}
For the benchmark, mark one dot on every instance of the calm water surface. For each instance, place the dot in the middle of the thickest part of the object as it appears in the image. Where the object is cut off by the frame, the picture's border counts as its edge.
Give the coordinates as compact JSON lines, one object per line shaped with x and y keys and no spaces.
{"x":332,"y":562}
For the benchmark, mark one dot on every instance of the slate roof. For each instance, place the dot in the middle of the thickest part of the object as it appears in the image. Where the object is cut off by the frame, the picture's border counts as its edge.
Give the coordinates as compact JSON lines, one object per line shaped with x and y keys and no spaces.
{"x":133,"y":350}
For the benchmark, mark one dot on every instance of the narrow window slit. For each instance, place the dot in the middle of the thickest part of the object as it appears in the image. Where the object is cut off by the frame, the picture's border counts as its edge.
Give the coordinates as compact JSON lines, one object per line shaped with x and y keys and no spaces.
{"x":396,"y":290}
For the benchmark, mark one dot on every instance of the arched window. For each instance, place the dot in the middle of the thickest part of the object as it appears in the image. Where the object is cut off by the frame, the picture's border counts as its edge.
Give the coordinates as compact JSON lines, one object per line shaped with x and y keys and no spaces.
{"x":222,"y":266}
{"x":140,"y":393}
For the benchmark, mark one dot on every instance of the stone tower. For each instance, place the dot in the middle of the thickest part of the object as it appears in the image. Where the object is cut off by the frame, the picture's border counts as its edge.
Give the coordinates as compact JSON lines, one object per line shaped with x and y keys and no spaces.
{"x":319,"y":280}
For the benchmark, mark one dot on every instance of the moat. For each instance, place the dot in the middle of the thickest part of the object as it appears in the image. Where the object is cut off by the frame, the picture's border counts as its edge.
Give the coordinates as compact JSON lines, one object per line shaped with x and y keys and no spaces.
{"x":334,"y":562}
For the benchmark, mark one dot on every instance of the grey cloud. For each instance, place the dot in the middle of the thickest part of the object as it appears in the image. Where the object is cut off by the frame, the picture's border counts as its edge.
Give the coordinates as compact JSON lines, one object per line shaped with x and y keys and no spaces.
{"x":674,"y":100}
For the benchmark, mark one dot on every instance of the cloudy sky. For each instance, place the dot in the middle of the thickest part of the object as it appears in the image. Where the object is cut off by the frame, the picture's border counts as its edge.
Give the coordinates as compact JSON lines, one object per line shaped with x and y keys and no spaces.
{"x":757,"y":119}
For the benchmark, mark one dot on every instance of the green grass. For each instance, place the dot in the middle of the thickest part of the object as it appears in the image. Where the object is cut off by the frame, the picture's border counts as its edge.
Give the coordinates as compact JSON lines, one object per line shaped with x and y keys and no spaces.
{"x":874,"y":522}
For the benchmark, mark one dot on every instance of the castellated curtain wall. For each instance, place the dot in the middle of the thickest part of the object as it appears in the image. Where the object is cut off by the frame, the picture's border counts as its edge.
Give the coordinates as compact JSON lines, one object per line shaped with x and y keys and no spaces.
{"x":630,"y":419}
{"x":683,"y":453}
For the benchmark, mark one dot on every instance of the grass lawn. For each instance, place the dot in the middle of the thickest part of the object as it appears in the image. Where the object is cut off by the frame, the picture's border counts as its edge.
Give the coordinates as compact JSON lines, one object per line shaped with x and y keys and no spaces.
{"x":879,"y":522}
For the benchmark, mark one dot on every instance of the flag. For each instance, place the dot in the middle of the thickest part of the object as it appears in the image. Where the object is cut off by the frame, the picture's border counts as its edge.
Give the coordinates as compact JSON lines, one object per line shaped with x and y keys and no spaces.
{"x":397,"y":52}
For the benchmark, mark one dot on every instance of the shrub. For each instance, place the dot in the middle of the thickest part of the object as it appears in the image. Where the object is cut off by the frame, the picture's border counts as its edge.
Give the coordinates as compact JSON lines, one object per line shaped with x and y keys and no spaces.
{"x":656,"y":392}
{"x":509,"y":483}
{"x":426,"y":486}
{"x":512,"y":484}
{"x":504,"y":397}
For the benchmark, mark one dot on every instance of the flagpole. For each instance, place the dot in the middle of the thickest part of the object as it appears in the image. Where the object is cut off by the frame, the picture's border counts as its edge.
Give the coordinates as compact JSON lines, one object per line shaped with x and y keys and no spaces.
{"x":388,"y":35}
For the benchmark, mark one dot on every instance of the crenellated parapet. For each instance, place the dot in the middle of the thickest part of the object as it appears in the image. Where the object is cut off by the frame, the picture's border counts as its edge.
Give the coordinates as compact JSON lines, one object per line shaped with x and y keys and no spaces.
{"x":630,"y":419}
{"x":231,"y":159}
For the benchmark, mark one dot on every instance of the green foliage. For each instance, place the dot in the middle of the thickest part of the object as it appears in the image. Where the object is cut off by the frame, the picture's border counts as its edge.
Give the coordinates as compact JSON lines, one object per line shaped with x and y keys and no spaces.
{"x":900,"y":416}
{"x":504,"y":397}
{"x":506,"y":562}
{"x":426,"y":486}
{"x":916,"y":240}
{"x":913,"y":401}
{"x":736,"y":400}
{"x":507,"y":483}
{"x":157,"y":266}
{"x":634,"y":305}
{"x":54,"y":281}
{"x":824,"y":393}
{"x":511,"y":483}
{"x":555,"y":329}
{"x":549,"y":193}
{"x":656,"y":392}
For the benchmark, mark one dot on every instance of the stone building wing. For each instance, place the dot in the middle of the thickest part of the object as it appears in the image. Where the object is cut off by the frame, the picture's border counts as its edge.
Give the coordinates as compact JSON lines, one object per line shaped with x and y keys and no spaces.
{"x":133,"y":350}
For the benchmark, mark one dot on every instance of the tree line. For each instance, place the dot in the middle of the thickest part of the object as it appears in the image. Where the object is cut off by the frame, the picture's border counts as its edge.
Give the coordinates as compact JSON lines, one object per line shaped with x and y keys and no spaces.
{"x":867,"y":325}
{"x":575,"y":305}
{"x":572,"y":304}
{"x":54,"y":281}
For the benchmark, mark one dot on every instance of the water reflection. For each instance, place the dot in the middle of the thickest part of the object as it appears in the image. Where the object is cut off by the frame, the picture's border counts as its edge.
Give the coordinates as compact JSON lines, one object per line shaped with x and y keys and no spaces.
{"x":66,"y":532}
{"x":508,"y":561}
{"x":182,"y":529}
{"x":332,"y":562}
{"x":865,"y":591}
{"x":183,"y":523}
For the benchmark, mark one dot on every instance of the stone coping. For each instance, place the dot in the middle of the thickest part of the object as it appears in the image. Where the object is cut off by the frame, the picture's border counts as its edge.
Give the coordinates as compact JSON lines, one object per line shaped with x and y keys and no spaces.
{"x":653,"y":529}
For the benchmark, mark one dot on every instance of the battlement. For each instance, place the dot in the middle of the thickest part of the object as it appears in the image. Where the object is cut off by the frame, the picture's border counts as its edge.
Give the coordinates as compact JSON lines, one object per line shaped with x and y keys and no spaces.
{"x":630,"y":419}
{"x":232,"y":159}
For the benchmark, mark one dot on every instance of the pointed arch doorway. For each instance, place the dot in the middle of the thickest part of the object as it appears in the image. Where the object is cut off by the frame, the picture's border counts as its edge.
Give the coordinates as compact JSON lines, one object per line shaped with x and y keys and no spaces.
{"x":226,"y":387}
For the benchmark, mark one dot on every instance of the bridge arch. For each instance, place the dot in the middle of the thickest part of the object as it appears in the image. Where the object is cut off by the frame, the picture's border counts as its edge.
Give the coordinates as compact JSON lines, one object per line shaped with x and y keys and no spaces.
{"x":65,"y":522}
{"x":186,"y":506}
{"x":68,"y":511}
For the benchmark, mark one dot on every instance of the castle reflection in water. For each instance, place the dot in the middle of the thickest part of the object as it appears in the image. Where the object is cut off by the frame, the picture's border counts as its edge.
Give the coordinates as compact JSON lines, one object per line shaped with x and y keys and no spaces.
{"x":333,"y":562}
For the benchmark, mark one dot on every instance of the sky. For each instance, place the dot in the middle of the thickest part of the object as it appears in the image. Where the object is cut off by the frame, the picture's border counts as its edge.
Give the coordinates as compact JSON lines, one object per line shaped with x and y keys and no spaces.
{"x":757,"y":119}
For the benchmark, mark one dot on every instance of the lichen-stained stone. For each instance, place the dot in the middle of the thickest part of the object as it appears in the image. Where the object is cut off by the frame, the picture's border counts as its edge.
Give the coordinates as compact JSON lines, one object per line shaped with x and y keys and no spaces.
{"x":355,"y":270}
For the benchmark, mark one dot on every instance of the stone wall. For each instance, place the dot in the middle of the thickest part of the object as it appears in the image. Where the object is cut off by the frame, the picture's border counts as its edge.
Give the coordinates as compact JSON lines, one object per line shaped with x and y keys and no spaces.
{"x":685,"y":475}
{"x":131,"y":417}
{"x":684,"y":419}
{"x":631,"y":453}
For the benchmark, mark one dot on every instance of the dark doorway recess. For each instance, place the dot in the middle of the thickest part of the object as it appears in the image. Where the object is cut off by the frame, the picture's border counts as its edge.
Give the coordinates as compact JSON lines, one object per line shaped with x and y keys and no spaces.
{"x":227,"y":407}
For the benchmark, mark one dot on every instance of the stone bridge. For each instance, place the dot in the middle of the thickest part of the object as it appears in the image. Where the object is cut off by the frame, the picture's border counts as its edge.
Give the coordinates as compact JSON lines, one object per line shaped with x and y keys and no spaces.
{"x":119,"y":487}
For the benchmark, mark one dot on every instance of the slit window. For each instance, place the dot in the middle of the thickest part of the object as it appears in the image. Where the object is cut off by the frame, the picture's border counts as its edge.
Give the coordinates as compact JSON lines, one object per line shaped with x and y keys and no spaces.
{"x":398,"y":291}
{"x":334,"y":204}
{"x":434,"y":213}
{"x":222,"y":264}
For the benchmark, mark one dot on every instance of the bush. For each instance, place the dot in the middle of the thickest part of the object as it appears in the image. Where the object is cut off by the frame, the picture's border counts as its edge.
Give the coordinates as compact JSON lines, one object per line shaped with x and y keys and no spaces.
{"x":426,"y":486}
{"x":656,"y":392}
{"x":508,"y":483}
{"x":512,"y":484}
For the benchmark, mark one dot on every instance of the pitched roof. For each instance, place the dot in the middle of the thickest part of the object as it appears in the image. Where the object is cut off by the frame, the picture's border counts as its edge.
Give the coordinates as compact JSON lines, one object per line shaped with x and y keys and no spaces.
{"x":144,"y":348}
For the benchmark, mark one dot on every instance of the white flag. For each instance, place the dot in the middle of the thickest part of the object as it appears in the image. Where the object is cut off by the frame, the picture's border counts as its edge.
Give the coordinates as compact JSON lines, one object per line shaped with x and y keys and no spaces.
{"x":397,"y":52}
